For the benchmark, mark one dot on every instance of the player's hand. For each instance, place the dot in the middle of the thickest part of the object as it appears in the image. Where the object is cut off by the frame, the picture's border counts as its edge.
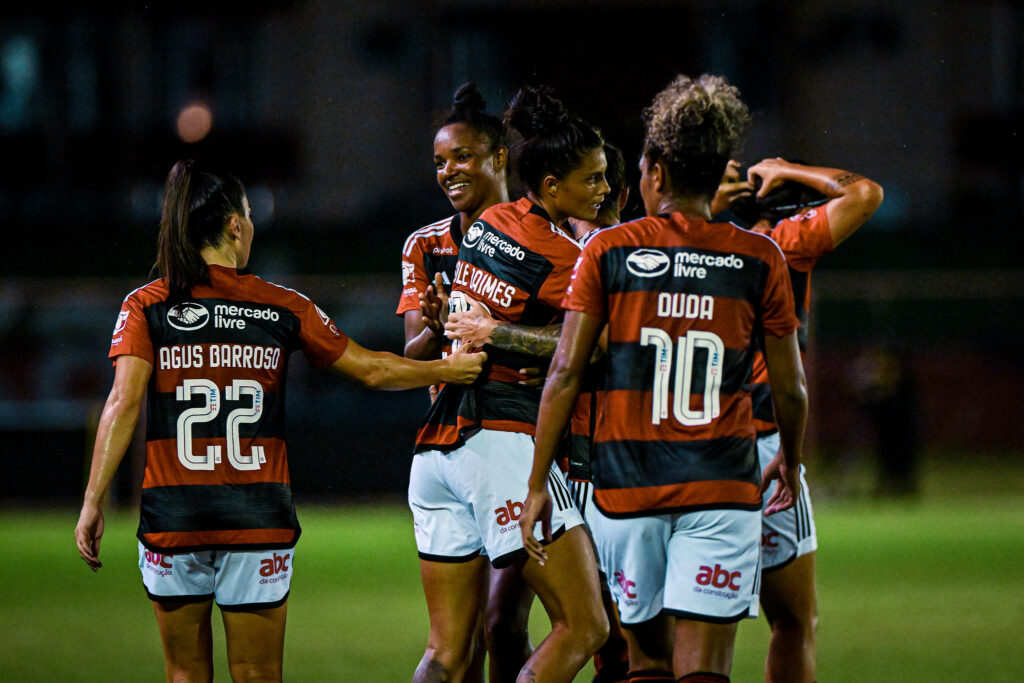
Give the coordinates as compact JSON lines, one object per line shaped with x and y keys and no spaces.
{"x":463,"y":366}
{"x":434,"y":306}
{"x":731,"y":187}
{"x":472,"y":327}
{"x":537,"y":508}
{"x":532,"y":377}
{"x":88,"y":534}
{"x":788,"y":488}
{"x":772,"y":173}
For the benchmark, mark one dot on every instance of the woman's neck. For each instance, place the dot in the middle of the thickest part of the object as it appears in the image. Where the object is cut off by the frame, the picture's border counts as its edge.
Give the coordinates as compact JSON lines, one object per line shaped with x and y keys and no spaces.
{"x":219,"y":256}
{"x":690,"y":206}
{"x":556,"y":216}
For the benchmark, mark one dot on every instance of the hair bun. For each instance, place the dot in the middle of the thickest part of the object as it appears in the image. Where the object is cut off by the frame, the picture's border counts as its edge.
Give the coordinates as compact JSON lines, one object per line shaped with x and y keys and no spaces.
{"x":534,"y":112}
{"x":468,"y":98}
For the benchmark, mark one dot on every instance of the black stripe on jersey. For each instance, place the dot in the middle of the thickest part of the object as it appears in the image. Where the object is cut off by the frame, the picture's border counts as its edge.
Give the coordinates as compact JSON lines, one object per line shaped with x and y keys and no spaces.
{"x":164,"y":409}
{"x":638,"y":464}
{"x":800,"y":282}
{"x":631,"y":366}
{"x":265,"y":505}
{"x":260,"y":329}
{"x":505,"y":401}
{"x":744,"y":283}
{"x":761,"y":397}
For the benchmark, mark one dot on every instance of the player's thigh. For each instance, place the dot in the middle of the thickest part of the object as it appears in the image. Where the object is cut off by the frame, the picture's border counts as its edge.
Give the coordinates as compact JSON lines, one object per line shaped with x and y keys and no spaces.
{"x":455,"y":593}
{"x":187,"y":637}
{"x":567,"y":584}
{"x":788,"y":593}
{"x":255,"y":642}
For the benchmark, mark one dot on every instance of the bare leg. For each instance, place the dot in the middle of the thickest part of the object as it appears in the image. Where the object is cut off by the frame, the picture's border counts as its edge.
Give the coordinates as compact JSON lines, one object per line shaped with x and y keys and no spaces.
{"x":650,"y":644}
{"x":507,"y":624}
{"x":455,"y":595}
{"x":187,"y":639}
{"x":568,"y":588}
{"x":790,"y":603}
{"x":703,"y":646}
{"x":255,"y":641}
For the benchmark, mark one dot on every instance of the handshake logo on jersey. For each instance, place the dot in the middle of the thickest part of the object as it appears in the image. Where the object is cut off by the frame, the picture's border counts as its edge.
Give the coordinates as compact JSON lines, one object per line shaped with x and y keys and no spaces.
{"x":187,"y":316}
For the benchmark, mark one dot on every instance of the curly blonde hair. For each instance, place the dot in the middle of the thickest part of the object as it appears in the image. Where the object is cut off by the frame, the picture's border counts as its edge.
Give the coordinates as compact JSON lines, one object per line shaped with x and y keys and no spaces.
{"x":695,"y":126}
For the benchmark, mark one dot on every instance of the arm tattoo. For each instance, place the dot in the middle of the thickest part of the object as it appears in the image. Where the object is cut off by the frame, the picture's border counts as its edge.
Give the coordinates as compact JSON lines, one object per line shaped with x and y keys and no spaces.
{"x":843,"y":179}
{"x":527,"y":675}
{"x":532,"y":341}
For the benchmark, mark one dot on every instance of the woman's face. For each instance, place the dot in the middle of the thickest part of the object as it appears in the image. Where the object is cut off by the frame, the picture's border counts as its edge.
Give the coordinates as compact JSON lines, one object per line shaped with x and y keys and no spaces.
{"x":468,"y":171}
{"x":581,"y":192}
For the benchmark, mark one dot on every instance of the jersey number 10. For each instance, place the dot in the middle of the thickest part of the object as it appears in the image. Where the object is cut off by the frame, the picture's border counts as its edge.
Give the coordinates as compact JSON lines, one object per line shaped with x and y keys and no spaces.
{"x":685,"y":362}
{"x":204,"y":413}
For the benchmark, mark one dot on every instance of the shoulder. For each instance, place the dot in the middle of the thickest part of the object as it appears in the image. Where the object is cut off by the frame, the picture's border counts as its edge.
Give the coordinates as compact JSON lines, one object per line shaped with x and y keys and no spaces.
{"x":148,"y":294}
{"x":434,"y":232}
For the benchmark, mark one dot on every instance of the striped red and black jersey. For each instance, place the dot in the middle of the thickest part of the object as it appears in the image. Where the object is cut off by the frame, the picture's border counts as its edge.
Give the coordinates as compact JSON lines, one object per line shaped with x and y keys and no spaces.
{"x":432,"y":249}
{"x":803,"y":238}
{"x":576,"y":460}
{"x":216,"y":473}
{"x":683,"y":299}
{"x":517,"y":263}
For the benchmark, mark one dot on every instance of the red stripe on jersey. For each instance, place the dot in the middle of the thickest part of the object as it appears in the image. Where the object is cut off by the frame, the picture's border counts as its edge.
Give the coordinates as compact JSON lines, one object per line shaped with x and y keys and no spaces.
{"x":164,"y":468}
{"x":220,"y":538}
{"x":727,"y":492}
{"x":627,"y":416}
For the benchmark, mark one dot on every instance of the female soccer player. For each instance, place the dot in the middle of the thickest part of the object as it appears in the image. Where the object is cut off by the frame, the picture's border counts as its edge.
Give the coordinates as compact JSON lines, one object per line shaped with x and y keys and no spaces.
{"x":471,"y":158}
{"x":674,"y":466}
{"x":467,"y":484}
{"x":845,"y":201}
{"x":211,"y":347}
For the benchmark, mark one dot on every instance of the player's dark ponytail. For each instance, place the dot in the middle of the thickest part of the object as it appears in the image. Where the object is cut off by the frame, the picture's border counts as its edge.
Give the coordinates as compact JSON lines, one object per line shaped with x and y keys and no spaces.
{"x":551,"y":139}
{"x":470,"y":108}
{"x":197,"y":204}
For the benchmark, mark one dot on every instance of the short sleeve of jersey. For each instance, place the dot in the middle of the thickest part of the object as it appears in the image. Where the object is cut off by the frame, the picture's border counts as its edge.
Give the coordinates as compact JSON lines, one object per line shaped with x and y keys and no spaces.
{"x":414,"y":279}
{"x":804,"y":238}
{"x":778,"y":313}
{"x":131,"y":332}
{"x":586,"y":290}
{"x":322,"y":341}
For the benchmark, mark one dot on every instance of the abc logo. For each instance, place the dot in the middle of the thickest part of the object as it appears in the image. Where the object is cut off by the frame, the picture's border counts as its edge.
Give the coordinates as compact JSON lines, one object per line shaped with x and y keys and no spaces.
{"x":769,"y":539}
{"x":512,"y":511}
{"x":158,"y":559}
{"x":625,"y":584}
{"x":274,"y":565}
{"x":718,"y":577}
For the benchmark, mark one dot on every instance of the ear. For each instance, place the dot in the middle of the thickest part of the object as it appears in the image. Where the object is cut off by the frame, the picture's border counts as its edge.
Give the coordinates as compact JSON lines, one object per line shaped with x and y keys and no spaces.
{"x":623,"y":198}
{"x":234,"y":227}
{"x":659,"y":177}
{"x":500,"y":158}
{"x":549,"y":186}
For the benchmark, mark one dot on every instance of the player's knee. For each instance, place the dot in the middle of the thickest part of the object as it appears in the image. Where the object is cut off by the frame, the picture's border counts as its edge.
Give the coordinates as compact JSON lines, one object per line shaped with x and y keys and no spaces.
{"x":255,"y":672}
{"x":504,"y":630}
{"x":597,"y":629}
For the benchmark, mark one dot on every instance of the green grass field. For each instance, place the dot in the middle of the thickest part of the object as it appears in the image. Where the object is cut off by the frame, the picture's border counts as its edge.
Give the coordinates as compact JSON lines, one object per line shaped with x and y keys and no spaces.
{"x":926,"y":591}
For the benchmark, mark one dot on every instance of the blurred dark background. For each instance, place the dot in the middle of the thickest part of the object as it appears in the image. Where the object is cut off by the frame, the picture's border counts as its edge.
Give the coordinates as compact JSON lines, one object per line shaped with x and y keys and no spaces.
{"x":326,"y":110}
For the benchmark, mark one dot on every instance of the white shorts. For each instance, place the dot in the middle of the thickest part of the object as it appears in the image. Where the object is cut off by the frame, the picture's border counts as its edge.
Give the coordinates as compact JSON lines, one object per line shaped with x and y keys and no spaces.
{"x":791,"y":533}
{"x":583,"y":497}
{"x":237,"y":580}
{"x":471,"y":499}
{"x":699,"y":565}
